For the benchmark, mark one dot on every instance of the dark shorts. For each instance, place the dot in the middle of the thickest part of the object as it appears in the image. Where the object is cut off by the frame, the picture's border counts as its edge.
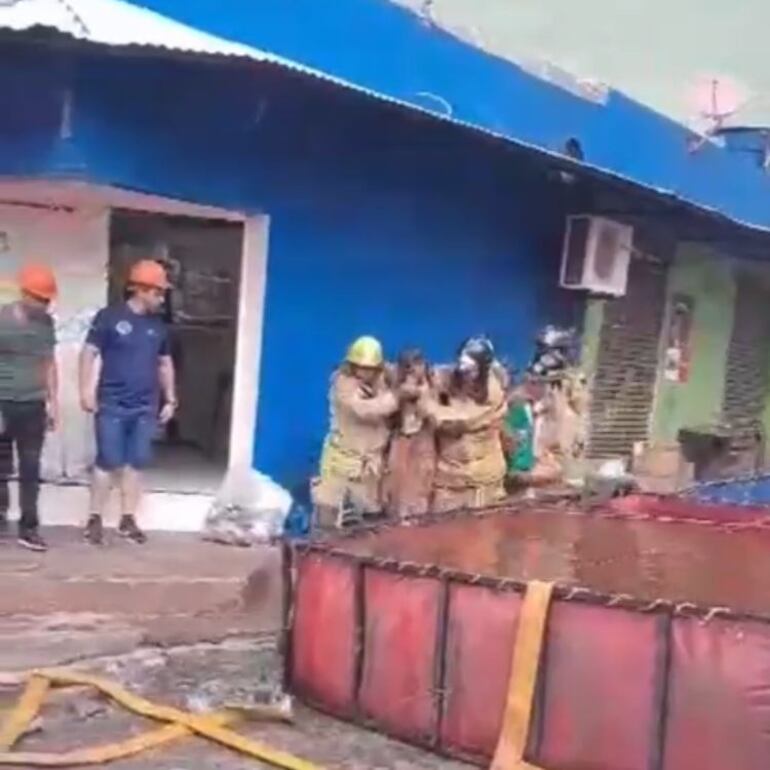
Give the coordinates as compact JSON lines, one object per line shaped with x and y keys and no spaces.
{"x":124,"y":439}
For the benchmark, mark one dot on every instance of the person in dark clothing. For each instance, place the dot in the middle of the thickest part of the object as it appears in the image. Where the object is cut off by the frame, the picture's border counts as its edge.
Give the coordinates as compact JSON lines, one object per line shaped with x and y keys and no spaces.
{"x":28,"y":395}
{"x":135,"y":372}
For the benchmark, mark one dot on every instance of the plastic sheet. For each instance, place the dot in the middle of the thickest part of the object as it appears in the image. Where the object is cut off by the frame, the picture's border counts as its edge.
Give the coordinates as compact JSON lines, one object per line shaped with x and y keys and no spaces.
{"x":249,"y":509}
{"x":754,"y":491}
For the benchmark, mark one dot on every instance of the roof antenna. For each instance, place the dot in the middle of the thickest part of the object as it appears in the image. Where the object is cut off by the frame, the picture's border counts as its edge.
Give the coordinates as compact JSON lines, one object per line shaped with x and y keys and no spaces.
{"x":716,"y":99}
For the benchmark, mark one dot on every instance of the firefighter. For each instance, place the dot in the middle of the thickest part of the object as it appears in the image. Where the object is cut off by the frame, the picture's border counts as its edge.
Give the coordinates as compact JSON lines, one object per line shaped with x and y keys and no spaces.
{"x":361,"y":405}
{"x":468,"y":418}
{"x":28,"y":394}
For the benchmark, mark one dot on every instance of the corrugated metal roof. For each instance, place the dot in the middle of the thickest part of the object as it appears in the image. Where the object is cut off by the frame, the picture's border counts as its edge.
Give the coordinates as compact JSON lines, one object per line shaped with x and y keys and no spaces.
{"x":121,"y":24}
{"x":118,"y":23}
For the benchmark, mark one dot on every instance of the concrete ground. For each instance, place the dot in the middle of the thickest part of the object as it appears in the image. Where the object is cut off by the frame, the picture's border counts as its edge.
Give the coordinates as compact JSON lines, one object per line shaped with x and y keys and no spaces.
{"x":179,"y":621}
{"x":205,"y":677}
{"x":77,"y":601}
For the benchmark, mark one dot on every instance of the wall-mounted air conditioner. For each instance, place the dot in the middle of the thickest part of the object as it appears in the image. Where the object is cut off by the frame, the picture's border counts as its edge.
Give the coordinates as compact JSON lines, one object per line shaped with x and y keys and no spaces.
{"x":596,"y":255}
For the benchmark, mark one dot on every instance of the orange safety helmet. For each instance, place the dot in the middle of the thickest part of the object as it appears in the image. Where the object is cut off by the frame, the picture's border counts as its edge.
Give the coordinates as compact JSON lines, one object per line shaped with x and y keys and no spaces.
{"x":38,"y":281}
{"x":149,"y":273}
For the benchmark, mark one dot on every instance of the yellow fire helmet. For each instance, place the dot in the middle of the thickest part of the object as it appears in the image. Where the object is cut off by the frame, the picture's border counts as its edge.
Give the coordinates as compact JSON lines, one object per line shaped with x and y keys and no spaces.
{"x":365,"y":351}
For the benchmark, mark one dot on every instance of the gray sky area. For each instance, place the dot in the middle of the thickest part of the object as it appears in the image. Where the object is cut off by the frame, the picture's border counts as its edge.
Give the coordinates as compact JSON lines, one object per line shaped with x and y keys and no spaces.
{"x":661,"y":52}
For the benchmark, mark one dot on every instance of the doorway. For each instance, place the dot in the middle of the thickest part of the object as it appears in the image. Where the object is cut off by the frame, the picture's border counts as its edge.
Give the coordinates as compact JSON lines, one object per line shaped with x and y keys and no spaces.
{"x":203,"y":258}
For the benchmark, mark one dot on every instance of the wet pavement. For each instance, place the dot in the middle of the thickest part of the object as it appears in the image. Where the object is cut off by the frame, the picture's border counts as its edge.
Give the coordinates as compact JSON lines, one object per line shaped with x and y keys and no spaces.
{"x":707,"y":565}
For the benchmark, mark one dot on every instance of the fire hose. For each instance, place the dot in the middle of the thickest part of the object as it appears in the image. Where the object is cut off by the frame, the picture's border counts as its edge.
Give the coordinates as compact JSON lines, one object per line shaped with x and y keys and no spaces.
{"x":213,"y":726}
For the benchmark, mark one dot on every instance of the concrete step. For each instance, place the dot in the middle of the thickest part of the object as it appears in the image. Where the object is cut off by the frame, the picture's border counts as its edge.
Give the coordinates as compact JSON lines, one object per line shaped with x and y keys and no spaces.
{"x":172,"y":574}
{"x":67,"y":505}
{"x":29,"y":642}
{"x":32,"y":642}
{"x":77,"y":601}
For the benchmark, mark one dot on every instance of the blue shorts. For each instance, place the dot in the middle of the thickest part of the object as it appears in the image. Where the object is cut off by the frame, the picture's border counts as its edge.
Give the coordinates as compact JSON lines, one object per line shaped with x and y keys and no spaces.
{"x":124,"y":439}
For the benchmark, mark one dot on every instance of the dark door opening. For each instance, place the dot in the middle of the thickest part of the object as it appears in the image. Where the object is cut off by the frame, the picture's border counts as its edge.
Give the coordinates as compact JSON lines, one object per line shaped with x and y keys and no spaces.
{"x":203,"y":258}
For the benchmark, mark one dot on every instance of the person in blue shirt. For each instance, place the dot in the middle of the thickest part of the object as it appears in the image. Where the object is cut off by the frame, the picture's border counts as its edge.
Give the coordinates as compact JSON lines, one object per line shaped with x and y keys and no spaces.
{"x":127,"y":383}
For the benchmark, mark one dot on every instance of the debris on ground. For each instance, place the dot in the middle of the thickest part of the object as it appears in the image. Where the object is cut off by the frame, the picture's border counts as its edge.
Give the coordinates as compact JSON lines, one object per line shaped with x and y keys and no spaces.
{"x":238,"y":671}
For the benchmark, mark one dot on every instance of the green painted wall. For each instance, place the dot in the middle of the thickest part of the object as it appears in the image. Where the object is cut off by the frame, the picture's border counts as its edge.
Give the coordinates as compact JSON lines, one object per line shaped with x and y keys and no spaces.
{"x":591,"y":337}
{"x":706,"y":277}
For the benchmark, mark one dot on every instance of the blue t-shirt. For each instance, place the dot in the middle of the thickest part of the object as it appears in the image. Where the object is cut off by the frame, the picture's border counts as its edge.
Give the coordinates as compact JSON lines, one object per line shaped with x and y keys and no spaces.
{"x":130,"y":346}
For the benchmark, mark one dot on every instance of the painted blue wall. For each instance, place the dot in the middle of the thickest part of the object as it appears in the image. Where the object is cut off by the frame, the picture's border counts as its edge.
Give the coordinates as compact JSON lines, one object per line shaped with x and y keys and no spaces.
{"x":375,"y":44}
{"x":33,"y":91}
{"x":379,"y":223}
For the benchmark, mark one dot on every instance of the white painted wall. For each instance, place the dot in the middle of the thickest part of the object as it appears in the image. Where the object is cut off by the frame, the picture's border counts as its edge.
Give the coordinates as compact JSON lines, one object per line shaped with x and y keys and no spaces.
{"x":75,"y":244}
{"x":248,"y":355}
{"x":66,"y":224}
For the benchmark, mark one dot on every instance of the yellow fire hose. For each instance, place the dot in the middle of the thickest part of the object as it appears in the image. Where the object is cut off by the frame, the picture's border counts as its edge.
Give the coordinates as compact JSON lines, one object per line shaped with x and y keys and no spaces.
{"x":519,"y":705}
{"x":181,"y":723}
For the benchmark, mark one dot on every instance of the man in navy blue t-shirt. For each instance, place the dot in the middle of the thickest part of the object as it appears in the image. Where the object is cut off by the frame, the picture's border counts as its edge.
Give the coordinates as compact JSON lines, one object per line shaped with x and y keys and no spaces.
{"x":127,"y":382}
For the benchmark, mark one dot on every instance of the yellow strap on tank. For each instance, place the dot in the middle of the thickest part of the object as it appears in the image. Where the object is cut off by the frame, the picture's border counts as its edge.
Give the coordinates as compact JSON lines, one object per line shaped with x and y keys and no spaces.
{"x":520,"y":701}
{"x":211,"y":726}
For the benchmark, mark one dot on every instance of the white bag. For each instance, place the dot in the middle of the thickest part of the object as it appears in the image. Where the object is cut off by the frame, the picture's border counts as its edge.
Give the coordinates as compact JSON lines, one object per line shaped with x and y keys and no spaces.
{"x":249,"y":509}
{"x":613,"y":469}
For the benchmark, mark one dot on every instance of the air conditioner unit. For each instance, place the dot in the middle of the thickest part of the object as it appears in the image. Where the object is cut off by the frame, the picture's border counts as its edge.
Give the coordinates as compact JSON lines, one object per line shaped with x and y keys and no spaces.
{"x":596,"y":255}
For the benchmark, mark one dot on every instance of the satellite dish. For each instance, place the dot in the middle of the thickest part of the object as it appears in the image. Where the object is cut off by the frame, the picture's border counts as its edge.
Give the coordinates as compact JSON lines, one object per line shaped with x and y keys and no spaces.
{"x":714,"y":99}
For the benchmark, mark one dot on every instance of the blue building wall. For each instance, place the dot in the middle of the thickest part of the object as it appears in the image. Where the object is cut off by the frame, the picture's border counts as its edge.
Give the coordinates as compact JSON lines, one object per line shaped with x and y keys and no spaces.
{"x":380,"y":46}
{"x":33,"y":90}
{"x":379,"y":224}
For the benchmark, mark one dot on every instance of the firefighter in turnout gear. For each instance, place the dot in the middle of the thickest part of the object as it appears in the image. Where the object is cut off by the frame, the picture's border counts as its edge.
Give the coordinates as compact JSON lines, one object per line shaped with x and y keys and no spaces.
{"x":470,"y":467}
{"x":352,"y":467}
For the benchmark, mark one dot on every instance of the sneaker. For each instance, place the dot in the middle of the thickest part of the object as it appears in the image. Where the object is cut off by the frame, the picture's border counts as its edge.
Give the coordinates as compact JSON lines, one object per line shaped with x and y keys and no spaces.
{"x":94,"y":531}
{"x":129,"y":529}
{"x":31,"y":540}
